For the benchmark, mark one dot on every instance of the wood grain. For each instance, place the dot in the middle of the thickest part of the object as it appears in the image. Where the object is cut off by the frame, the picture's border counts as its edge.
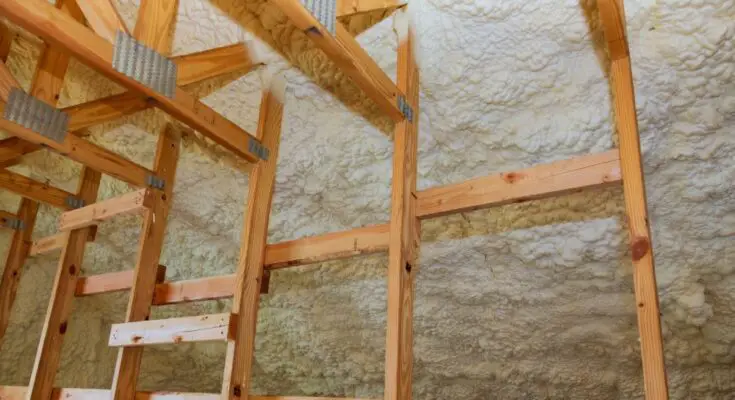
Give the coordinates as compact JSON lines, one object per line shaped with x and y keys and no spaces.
{"x":155,"y":22}
{"x":137,"y":202}
{"x":202,"y":328}
{"x":55,"y":242}
{"x":103,"y":18}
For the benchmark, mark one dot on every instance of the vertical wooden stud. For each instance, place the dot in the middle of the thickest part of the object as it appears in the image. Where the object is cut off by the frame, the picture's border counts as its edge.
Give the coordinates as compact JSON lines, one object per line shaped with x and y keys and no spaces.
{"x":249,"y":278}
{"x":404,"y":229}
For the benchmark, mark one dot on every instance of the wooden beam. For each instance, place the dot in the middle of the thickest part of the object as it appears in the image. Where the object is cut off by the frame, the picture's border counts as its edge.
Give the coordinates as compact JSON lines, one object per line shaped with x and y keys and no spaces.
{"x":348,"y":56}
{"x":210,"y":288}
{"x":14,"y":263}
{"x":202,"y":328}
{"x":137,"y":202}
{"x":240,"y":351}
{"x":103,"y":18}
{"x":538,"y":182}
{"x":55,"y":242}
{"x":6,"y":41}
{"x":404,"y":233}
{"x":111,"y":282}
{"x":634,"y":192}
{"x":43,"y":20}
{"x":150,"y":244}
{"x":203,"y":65}
{"x":18,"y":393}
{"x":35,"y":190}
{"x":346,"y":8}
{"x":62,"y":295}
{"x":154,"y":25}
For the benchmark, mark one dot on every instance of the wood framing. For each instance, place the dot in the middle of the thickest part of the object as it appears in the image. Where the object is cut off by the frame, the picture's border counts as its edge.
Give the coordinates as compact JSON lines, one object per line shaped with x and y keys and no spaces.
{"x":404,"y":233}
{"x":215,"y":287}
{"x":201,"y":328}
{"x":6,"y":40}
{"x":111,"y":282}
{"x":136,"y":202}
{"x":43,"y":20}
{"x":55,"y":242}
{"x":655,"y":383}
{"x":103,"y":18}
{"x":18,"y":393}
{"x":149,"y":252}
{"x":250,"y":267}
{"x":197,"y":67}
{"x":41,"y":192}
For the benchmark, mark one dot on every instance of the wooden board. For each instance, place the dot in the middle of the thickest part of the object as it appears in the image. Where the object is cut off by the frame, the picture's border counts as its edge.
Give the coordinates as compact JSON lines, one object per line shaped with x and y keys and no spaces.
{"x":210,"y":288}
{"x":349,"y":7}
{"x":149,"y":252}
{"x":203,"y":65}
{"x":55,"y":242}
{"x":43,"y":20}
{"x":103,"y":18}
{"x":35,"y":190}
{"x":203,"y":328}
{"x":111,"y":282}
{"x":18,"y":393}
{"x":62,"y":295}
{"x":250,"y":267}
{"x":136,"y":202}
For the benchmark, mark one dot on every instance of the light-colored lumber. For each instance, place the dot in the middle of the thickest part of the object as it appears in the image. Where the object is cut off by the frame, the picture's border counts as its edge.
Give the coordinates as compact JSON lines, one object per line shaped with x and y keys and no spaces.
{"x":125,"y":377}
{"x":43,"y":20}
{"x":332,"y":246}
{"x":346,"y":8}
{"x":203,"y":65}
{"x":136,"y":202}
{"x":103,"y":18}
{"x":155,"y":20}
{"x":18,"y":393}
{"x":35,"y":190}
{"x":210,"y":288}
{"x":404,"y":234}
{"x":62,"y":296}
{"x":55,"y":242}
{"x":634,"y":192}
{"x":250,"y":267}
{"x":111,"y":282}
{"x":348,"y":56}
{"x":203,"y":328}
{"x":12,"y":150}
{"x":537,"y":182}
{"x":6,"y":41}
{"x":17,"y":254}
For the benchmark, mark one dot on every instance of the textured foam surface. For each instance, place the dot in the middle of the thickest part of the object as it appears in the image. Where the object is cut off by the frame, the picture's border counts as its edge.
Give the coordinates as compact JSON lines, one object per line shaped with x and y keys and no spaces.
{"x":528,"y":301}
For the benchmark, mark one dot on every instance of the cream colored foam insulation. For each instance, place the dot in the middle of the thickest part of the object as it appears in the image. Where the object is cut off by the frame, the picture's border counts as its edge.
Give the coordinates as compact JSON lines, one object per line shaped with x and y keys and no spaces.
{"x":529,"y":301}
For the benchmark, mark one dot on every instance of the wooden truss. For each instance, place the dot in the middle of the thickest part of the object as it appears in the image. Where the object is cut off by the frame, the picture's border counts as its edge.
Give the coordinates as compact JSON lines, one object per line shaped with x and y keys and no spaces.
{"x":62,"y":28}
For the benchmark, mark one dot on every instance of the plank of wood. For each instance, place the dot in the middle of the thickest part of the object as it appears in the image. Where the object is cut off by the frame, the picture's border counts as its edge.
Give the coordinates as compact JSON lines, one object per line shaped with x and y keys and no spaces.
{"x":35,"y":190}
{"x":202,"y":328}
{"x":103,"y":18}
{"x":6,"y":41}
{"x":125,"y":378}
{"x":137,"y":202}
{"x":18,"y":393}
{"x":111,"y":282}
{"x":250,"y":267}
{"x":404,"y":234}
{"x":6,"y":215}
{"x":203,"y":65}
{"x":345,"y":8}
{"x":210,"y":288}
{"x":634,"y":192}
{"x":17,"y":253}
{"x":62,"y":295}
{"x":348,"y":56}
{"x":55,"y":242}
{"x":154,"y":25}
{"x":43,"y":20}
{"x":538,"y":182}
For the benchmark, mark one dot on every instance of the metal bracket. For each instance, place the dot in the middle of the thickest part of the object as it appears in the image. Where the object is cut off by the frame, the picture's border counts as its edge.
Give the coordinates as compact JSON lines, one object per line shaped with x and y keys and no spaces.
{"x":14,"y":224}
{"x":36,"y":115}
{"x":145,"y":65}
{"x":405,"y":108}
{"x":155,"y":182}
{"x":256,"y":147}
{"x":74,"y":202}
{"x":325,"y":11}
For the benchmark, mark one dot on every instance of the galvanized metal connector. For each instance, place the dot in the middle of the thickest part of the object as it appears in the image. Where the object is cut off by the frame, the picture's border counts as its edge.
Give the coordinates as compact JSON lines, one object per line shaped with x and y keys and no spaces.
{"x":36,"y":115}
{"x":258,"y":149}
{"x":325,"y":11}
{"x":144,"y":64}
{"x":405,"y":108}
{"x":74,"y":202}
{"x":155,"y":182}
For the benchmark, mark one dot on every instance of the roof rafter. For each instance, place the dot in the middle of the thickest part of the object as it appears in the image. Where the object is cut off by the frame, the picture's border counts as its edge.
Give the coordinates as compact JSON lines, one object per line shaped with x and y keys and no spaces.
{"x":103,"y":18}
{"x":35,"y":190}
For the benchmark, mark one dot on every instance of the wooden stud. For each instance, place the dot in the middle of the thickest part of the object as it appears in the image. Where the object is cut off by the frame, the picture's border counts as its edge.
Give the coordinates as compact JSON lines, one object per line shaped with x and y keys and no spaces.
{"x":138,"y":202}
{"x":35,"y":190}
{"x":56,"y":242}
{"x":111,"y":282}
{"x":202,"y":328}
{"x":240,"y":352}
{"x":203,"y":65}
{"x":43,"y":20}
{"x":349,"y":57}
{"x":404,"y":235}
{"x":634,"y":192}
{"x":538,"y":182}
{"x":150,"y":244}
{"x":14,"y":263}
{"x":154,"y":25}
{"x":103,"y":18}
{"x":346,"y":8}
{"x":18,"y":393}
{"x":210,"y":288}
{"x":62,"y":295}
{"x":6,"y":41}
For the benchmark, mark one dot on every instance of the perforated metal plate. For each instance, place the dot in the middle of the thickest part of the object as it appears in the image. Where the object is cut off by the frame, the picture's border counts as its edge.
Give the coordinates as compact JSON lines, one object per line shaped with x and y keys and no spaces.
{"x":144,"y":64}
{"x":325,"y":11}
{"x":34,"y":114}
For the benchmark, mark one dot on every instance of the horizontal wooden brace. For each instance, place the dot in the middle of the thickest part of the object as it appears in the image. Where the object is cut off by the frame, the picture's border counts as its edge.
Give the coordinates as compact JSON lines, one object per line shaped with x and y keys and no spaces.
{"x":55,"y":242}
{"x":42,"y":19}
{"x":346,"y":8}
{"x":34,"y":190}
{"x":129,"y":203}
{"x":19,"y":392}
{"x":201,"y":328}
{"x":111,"y":282}
{"x":6,"y":215}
